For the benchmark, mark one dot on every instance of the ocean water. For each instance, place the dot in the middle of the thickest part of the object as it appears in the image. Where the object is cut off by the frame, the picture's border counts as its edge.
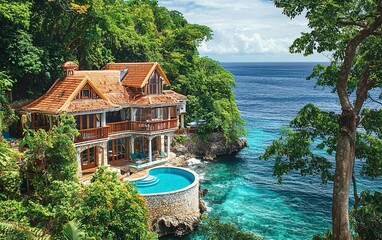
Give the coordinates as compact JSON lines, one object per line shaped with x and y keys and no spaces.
{"x":241,"y":188}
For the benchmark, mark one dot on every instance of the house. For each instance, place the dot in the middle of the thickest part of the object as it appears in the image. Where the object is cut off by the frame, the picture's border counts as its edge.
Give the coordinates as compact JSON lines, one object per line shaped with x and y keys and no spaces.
{"x":120,"y":109}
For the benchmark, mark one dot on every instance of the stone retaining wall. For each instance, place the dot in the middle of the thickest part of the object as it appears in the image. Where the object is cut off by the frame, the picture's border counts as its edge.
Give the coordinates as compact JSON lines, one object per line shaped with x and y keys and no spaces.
{"x":176,"y":212}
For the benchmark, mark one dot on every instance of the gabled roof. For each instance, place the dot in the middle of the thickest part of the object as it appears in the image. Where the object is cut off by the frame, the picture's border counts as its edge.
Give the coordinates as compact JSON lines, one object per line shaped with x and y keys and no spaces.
{"x":59,"y":97}
{"x":137,"y":73}
{"x":108,"y":82}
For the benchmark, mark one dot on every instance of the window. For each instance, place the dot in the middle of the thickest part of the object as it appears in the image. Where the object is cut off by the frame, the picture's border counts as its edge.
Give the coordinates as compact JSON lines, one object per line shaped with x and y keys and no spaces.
{"x":154,"y":84}
{"x":140,"y":115}
{"x":85,"y":93}
{"x":88,"y":121}
{"x":117,"y":150}
{"x":165,"y":113}
{"x":39,"y":121}
{"x":123,"y":74}
{"x":89,"y":158}
{"x":156,"y":113}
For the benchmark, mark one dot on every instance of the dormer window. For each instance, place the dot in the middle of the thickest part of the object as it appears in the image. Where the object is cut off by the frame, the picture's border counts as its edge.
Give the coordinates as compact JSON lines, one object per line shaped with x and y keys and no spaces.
{"x":87,"y":92}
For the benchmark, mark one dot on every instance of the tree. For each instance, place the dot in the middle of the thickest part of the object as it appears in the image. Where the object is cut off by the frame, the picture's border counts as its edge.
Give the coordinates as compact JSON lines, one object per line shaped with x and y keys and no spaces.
{"x":211,"y":98}
{"x":351,"y":32}
{"x":114,"y":210}
{"x":51,"y":155}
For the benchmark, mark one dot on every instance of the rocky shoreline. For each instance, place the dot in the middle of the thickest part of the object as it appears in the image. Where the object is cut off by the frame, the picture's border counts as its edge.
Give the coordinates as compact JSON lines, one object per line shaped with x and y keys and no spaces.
{"x":193,"y":146}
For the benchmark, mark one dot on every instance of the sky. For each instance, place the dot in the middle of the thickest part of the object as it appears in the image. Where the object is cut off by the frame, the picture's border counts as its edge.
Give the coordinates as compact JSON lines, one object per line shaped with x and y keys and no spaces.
{"x":245,"y":30}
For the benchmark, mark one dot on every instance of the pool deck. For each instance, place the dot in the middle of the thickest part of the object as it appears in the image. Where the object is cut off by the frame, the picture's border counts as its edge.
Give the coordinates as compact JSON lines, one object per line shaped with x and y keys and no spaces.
{"x":124,"y":168}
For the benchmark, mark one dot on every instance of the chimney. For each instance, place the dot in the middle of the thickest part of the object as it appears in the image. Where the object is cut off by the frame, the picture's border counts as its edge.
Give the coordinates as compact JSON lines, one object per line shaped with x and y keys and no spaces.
{"x":69,"y":68}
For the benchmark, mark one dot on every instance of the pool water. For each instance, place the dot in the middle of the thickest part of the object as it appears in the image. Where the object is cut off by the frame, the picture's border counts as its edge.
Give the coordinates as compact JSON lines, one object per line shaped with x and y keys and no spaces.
{"x":164,"y":180}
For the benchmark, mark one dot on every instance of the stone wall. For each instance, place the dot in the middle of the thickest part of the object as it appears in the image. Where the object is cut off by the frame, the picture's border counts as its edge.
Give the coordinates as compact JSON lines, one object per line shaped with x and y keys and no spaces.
{"x":175,"y":213}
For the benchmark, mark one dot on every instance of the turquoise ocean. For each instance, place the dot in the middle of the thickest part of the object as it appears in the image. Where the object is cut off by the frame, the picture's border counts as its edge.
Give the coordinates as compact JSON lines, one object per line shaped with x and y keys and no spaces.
{"x":241,"y":188}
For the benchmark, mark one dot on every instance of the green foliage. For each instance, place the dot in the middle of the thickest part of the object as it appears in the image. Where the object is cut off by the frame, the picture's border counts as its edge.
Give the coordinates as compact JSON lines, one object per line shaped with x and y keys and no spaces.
{"x":327,"y":235}
{"x":312,"y":128}
{"x":13,"y":230}
{"x":211,"y":99}
{"x":7,"y":115}
{"x":14,"y":224}
{"x":349,"y":32}
{"x":72,"y":231}
{"x":180,"y":139}
{"x":51,"y":155}
{"x":367,"y":218}
{"x":212,"y":229}
{"x":9,"y":172}
{"x":113,"y":210}
{"x":52,"y":207}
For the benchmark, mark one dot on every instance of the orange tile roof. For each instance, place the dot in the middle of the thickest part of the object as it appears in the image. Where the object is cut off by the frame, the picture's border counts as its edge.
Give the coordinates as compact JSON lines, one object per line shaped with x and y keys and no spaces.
{"x":113,"y":93}
{"x":59,"y":97}
{"x":108,"y":83}
{"x":90,"y":105}
{"x":153,"y":100}
{"x":175,"y":94}
{"x":53,"y":100}
{"x":138,"y":73}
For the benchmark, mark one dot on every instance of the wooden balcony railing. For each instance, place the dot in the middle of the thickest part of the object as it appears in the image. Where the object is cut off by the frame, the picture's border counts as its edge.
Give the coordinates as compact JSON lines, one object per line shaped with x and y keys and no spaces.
{"x":92,"y":134}
{"x":154,"y":125}
{"x":143,"y":125}
{"x":119,"y":126}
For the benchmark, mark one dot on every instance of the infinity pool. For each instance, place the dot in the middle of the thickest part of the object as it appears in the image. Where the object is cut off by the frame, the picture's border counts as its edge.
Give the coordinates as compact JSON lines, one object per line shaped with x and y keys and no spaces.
{"x":164,"y":180}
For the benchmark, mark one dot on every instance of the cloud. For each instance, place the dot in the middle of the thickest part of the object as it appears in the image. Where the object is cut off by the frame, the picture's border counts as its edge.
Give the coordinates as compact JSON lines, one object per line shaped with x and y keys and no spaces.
{"x":242,"y":27}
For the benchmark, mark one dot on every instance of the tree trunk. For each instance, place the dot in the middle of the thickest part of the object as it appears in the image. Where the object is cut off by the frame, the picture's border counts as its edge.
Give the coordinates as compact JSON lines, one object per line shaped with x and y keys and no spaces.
{"x":345,"y":153}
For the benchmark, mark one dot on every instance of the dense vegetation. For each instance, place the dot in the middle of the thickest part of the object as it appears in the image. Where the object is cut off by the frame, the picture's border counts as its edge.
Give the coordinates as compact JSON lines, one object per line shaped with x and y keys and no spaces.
{"x":350,"y":32}
{"x":55,"y":204}
{"x":36,"y":37}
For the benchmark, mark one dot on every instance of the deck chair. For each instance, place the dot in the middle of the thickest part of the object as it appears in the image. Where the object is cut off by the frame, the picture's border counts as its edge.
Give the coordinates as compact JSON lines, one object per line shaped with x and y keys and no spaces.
{"x":135,"y":159}
{"x":143,"y":156}
{"x":162,"y":154}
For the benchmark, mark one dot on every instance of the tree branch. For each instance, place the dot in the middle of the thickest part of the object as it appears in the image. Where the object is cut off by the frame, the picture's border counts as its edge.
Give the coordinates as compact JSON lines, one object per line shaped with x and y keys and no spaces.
{"x":362,"y":89}
{"x":373,"y":100}
{"x":342,"y":82}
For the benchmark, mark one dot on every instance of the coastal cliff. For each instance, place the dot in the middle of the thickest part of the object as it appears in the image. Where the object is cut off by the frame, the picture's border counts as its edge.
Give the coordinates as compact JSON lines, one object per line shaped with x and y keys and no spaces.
{"x":208,"y":148}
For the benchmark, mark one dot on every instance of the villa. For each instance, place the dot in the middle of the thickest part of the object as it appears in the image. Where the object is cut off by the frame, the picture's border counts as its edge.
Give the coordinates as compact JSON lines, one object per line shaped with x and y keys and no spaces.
{"x":122,"y":112}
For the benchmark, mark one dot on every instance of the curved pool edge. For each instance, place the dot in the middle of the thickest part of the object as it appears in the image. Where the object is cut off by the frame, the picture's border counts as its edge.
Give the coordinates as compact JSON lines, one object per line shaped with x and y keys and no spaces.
{"x":196,"y":180}
{"x":174,"y":212}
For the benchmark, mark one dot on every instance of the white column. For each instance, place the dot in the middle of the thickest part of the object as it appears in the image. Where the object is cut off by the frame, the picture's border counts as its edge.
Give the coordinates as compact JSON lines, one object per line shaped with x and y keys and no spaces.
{"x":103,"y":119}
{"x":132,"y":144}
{"x":162,"y":143}
{"x":150,"y":150}
{"x":104,"y":155}
{"x":169,"y":113}
{"x":168,"y":146}
{"x":181,"y":120}
{"x":79,"y":170}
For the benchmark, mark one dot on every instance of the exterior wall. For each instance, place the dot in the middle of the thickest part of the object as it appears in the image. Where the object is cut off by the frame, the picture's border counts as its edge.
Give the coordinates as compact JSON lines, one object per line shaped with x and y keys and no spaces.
{"x":181,"y":203}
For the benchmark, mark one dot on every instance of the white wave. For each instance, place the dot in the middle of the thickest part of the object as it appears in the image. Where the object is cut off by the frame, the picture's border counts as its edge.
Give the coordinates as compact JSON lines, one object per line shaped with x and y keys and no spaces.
{"x":194,"y":161}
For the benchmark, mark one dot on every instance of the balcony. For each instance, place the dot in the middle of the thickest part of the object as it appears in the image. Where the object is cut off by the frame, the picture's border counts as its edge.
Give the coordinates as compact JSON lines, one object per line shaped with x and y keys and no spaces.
{"x":119,"y":126}
{"x":143,"y":126}
{"x":92,"y":134}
